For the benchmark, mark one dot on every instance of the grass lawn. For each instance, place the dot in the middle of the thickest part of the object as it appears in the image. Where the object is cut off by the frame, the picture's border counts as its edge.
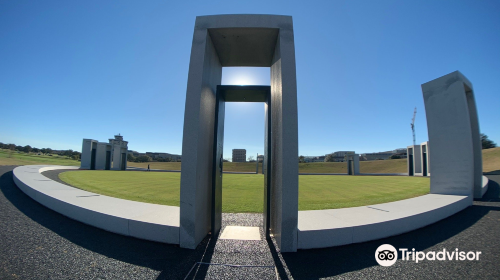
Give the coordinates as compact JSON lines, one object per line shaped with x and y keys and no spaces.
{"x":242,"y":193}
{"x":491,"y":160}
{"x":8,"y":157}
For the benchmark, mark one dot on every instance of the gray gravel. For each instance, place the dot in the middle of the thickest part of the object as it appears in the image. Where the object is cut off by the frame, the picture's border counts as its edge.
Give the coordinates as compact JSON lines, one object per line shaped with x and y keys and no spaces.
{"x":37,"y":243}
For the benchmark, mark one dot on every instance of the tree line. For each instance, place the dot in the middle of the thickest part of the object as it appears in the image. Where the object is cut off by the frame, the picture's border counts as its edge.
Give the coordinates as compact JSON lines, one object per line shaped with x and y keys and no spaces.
{"x":28,"y":149}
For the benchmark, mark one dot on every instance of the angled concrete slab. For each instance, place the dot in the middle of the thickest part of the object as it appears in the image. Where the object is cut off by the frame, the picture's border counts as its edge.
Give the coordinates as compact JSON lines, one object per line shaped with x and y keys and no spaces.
{"x":240,"y":233}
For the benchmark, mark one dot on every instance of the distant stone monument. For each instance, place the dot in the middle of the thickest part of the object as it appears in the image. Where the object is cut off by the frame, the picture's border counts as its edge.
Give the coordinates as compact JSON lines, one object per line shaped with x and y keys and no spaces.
{"x":239,"y":40}
{"x":453,"y":129}
{"x":104,"y":156}
{"x":426,"y":164}
{"x":352,"y":161}
{"x":414,"y":160}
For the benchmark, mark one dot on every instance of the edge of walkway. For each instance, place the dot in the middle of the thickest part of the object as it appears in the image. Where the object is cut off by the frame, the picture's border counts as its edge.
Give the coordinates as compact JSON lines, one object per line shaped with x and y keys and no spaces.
{"x":336,"y":227}
{"x":160,"y":223}
{"x":152,"y":222}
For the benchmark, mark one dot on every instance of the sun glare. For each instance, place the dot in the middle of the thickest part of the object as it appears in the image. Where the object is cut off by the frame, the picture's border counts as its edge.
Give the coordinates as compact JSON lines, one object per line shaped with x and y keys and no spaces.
{"x":243,"y":76}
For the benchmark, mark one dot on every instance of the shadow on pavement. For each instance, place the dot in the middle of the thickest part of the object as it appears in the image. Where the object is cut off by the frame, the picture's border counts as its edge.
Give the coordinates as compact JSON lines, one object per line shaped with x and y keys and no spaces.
{"x":173,"y":261}
{"x":328,"y":262}
{"x":493,"y":192}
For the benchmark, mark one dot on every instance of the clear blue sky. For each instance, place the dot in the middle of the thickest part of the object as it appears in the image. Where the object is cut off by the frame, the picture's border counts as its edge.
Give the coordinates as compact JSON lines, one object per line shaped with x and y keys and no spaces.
{"x":91,"y":69}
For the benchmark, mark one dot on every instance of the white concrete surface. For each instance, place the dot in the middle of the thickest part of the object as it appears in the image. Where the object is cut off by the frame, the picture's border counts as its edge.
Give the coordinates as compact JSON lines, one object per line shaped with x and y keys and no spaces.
{"x":240,"y":233}
{"x":335,"y":227}
{"x":453,"y":130}
{"x":100,"y":155}
{"x":141,"y":220}
{"x":86,"y":157}
{"x":484,"y":187}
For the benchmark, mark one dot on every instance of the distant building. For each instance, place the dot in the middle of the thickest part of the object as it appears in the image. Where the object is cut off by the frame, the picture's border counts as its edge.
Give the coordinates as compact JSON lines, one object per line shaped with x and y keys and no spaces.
{"x":340,"y":156}
{"x":314,"y":158}
{"x":377,"y":156}
{"x":239,"y":155}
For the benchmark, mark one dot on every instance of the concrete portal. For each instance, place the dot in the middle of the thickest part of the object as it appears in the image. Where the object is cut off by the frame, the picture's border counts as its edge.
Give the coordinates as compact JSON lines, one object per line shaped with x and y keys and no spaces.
{"x":352,"y":164}
{"x":104,"y":156}
{"x":88,"y":157}
{"x":414,"y":159}
{"x":239,"y":94}
{"x":426,"y":164}
{"x":240,"y":40}
{"x":453,"y":129}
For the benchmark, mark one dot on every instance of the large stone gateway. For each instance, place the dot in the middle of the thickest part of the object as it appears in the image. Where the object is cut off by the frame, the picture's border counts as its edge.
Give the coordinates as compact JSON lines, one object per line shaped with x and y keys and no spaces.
{"x":453,"y":128}
{"x":239,"y":40}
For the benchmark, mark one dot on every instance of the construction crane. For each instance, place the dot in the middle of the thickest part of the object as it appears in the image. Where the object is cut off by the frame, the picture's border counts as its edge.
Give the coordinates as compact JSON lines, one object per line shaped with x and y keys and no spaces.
{"x":413,"y":124}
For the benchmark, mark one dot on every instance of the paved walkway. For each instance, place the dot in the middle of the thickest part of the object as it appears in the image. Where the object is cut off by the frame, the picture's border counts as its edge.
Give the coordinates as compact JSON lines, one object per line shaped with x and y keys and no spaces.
{"x":37,"y":243}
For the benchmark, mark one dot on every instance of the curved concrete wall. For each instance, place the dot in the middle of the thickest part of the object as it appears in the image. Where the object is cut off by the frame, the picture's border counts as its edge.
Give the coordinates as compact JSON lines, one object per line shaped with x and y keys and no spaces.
{"x":453,"y":129}
{"x":141,"y":220}
{"x":484,"y":188}
{"x":335,"y":227}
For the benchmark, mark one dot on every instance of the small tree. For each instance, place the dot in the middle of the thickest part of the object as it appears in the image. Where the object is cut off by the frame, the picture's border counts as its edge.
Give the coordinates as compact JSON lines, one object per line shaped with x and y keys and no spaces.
{"x":131,"y":158}
{"x":302,"y":159}
{"x":487,"y":143}
{"x":395,"y":157}
{"x":251,"y":159}
{"x":144,"y":159}
{"x":329,"y":157}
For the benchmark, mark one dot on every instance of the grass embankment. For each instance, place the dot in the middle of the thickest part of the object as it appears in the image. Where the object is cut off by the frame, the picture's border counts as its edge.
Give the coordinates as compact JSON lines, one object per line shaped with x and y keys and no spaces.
{"x":491,"y":160}
{"x":377,"y":166}
{"x":244,"y":192}
{"x":228,"y":166}
{"x":8,"y":157}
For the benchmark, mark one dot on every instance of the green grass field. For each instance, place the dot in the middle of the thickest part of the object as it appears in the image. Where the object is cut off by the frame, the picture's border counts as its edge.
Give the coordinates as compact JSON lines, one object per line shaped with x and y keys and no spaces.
{"x":244,"y":193}
{"x":376,"y":166}
{"x":8,"y":157}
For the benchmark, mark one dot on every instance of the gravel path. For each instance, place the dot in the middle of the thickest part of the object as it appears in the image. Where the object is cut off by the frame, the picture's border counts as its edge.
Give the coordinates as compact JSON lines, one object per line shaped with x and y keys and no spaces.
{"x":38,"y":243}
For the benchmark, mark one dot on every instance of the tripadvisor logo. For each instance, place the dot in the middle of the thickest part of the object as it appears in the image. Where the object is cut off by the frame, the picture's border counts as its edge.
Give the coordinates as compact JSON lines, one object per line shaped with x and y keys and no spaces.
{"x":387,"y":255}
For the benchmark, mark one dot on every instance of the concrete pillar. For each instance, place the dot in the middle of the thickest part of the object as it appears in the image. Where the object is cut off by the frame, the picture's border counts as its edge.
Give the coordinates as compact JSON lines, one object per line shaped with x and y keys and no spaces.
{"x":116,"y":156}
{"x":86,"y":157}
{"x":414,"y":155}
{"x":453,"y":129}
{"x":356,"y":164}
{"x":100,"y":161}
{"x":425,"y":155}
{"x":354,"y":158}
{"x":240,"y":40}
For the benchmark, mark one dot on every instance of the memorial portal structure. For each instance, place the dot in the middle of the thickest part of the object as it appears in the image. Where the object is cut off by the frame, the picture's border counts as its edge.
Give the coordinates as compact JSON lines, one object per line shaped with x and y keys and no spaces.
{"x":453,"y":128}
{"x":268,"y":41}
{"x":104,"y":156}
{"x":227,"y":41}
